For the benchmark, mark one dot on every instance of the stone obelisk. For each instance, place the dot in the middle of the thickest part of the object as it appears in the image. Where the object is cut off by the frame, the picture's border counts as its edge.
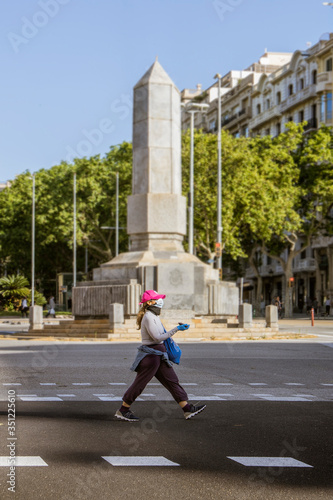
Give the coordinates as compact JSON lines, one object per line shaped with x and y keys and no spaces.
{"x":156,"y":221}
{"x":156,"y":210}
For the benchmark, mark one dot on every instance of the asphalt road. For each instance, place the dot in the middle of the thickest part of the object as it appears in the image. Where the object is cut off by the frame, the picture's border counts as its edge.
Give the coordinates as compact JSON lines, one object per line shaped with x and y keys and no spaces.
{"x":266,"y":432}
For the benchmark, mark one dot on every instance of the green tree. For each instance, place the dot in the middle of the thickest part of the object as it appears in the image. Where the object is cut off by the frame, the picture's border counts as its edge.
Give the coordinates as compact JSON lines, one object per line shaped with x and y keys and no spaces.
{"x":96,"y":203}
{"x":312,"y":202}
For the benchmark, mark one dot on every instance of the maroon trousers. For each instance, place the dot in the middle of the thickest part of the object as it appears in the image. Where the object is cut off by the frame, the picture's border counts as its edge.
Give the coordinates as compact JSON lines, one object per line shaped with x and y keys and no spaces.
{"x":153,"y":366}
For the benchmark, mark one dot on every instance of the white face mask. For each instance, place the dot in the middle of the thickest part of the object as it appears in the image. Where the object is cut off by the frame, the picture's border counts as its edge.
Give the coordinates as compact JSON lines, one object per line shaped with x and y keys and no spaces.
{"x":159,"y":303}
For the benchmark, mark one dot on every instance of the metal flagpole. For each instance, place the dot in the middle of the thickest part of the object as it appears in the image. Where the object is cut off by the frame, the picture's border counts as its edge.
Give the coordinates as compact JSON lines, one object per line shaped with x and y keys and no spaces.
{"x":219,"y":178}
{"x":33,"y":244}
{"x":117,"y":213}
{"x":74,"y":232}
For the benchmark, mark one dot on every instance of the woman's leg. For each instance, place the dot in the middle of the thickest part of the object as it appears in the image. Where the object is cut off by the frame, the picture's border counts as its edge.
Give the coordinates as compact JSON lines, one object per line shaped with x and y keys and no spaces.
{"x":146,"y":371}
{"x":168,"y":378}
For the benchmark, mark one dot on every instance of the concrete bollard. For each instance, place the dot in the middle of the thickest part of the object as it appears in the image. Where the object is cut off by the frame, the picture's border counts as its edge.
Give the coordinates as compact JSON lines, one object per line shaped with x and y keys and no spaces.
{"x":36,"y":318}
{"x":272,"y":316}
{"x":245,"y":316}
{"x":116,"y":316}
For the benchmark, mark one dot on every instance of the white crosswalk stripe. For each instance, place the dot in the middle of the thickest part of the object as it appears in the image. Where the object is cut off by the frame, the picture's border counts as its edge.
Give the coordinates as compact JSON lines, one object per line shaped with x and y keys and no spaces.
{"x":23,"y":462}
{"x":140,"y":462}
{"x":269,"y":462}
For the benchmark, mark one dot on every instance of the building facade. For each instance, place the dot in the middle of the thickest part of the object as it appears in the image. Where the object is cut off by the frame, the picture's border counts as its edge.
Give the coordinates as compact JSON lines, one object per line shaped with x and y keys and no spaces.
{"x":262,"y":100}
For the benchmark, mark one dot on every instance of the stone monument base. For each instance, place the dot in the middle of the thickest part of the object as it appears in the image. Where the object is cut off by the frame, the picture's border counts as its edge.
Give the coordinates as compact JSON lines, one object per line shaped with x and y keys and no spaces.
{"x":190,"y":285}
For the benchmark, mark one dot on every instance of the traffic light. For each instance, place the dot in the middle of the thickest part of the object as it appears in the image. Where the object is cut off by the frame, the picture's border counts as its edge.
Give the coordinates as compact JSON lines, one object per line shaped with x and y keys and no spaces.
{"x":218,"y":250}
{"x":291,"y":282}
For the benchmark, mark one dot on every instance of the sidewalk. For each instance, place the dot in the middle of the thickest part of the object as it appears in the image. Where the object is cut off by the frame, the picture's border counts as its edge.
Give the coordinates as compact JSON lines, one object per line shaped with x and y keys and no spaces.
{"x":13,"y":327}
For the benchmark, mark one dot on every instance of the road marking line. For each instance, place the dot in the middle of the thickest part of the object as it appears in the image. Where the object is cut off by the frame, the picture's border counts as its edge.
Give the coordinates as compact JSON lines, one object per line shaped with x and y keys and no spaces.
{"x":189,"y":384}
{"x":329,"y":385}
{"x":117,"y":383}
{"x":269,"y":462}
{"x":11,"y":383}
{"x":113,"y":398}
{"x":81,"y":383}
{"x":23,"y":462}
{"x":149,"y":395}
{"x":283,"y":398}
{"x":292,"y":383}
{"x":27,"y":395}
{"x":47,"y":383}
{"x":327,"y":344}
{"x":31,"y":398}
{"x":304,"y":396}
{"x":257,"y":383}
{"x":140,"y":461}
{"x":66,"y":395}
{"x":230,"y":395}
{"x":205,"y":398}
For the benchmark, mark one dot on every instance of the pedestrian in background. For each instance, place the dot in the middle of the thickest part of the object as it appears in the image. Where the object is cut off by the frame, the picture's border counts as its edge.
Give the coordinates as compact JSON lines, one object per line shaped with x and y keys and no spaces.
{"x":152,"y":359}
{"x":51,"y":307}
{"x":24,"y":308}
{"x":315,"y":305}
{"x":328,"y":306}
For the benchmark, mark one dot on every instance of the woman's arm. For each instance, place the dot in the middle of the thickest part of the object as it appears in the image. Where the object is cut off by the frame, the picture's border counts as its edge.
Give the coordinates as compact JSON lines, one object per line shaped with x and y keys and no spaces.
{"x":154,"y":327}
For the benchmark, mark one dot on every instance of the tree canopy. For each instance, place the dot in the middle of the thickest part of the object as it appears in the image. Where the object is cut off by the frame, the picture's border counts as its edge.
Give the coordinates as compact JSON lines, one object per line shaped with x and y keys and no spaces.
{"x":277,"y":195}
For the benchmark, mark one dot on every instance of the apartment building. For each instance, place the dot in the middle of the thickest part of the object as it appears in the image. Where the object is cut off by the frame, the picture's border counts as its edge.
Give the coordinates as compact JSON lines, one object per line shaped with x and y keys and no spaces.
{"x":280,"y":88}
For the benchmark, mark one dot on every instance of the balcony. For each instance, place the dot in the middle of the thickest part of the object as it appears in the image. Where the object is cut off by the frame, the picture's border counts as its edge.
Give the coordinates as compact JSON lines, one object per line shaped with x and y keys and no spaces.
{"x":311,"y":125}
{"x":299,"y":97}
{"x":304,"y":265}
{"x":324,"y":81}
{"x":269,"y":114}
{"x":237,"y":117}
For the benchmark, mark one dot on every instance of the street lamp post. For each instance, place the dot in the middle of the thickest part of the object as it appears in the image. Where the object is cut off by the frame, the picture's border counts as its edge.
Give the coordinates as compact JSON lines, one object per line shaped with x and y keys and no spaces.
{"x":74,"y":231}
{"x":33,"y":244}
{"x":192,"y":108}
{"x":219,"y":177}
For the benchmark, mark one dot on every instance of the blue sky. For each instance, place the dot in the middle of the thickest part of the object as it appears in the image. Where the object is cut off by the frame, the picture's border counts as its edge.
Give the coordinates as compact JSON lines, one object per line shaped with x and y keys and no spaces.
{"x":69,"y":66}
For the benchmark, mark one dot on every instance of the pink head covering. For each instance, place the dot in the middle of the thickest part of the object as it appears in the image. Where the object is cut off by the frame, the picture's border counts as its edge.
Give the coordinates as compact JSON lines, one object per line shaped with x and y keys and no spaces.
{"x":151,"y":295}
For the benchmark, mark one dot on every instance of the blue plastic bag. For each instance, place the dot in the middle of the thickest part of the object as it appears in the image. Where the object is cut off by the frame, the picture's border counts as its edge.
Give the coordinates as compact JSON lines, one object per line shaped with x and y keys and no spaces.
{"x":173,"y":350}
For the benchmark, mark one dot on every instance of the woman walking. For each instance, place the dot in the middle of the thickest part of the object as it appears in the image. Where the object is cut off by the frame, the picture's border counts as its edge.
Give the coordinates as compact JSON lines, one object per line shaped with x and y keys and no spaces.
{"x":152,"y":359}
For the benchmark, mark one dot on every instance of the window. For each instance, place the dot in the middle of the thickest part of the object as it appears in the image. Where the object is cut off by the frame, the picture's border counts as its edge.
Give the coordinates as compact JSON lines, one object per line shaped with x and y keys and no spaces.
{"x":329,"y":64}
{"x":301,"y":116}
{"x":303,"y":254}
{"x":329,"y":106}
{"x":268,"y":131}
{"x":290,"y":89}
{"x":314,"y":76}
{"x":278,"y":98}
{"x":278,"y":128}
{"x":301,"y":84}
{"x":314,"y":111}
{"x":268,"y":103}
{"x":326,"y":107}
{"x":258,"y":109}
{"x":290,"y":119}
{"x":212,"y":125}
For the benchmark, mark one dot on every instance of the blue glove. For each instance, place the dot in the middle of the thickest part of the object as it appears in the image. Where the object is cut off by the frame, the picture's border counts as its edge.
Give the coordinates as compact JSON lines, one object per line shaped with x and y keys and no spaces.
{"x":183,"y":327}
